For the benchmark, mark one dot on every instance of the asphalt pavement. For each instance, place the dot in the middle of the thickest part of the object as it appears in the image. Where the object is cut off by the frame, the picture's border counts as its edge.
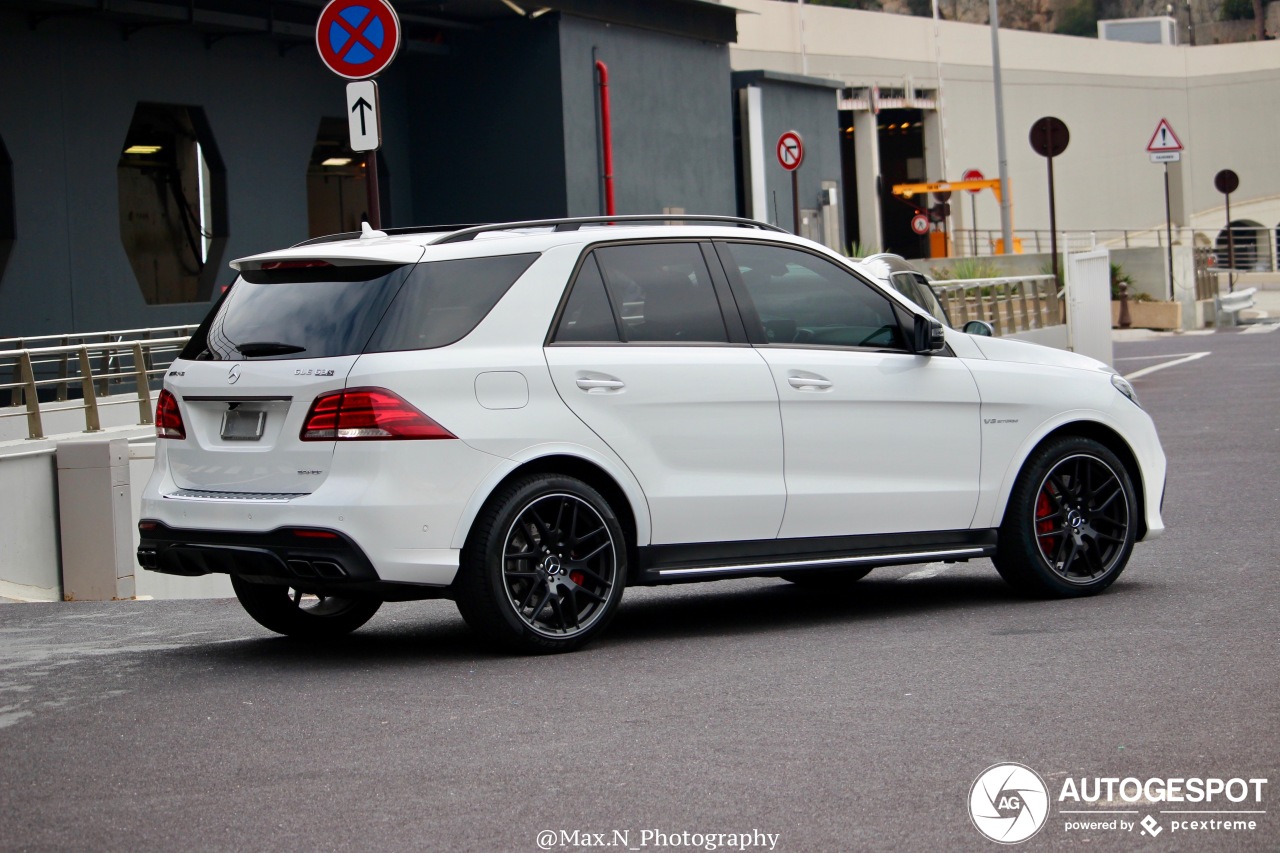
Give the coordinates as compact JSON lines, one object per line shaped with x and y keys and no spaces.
{"x":779,"y":717}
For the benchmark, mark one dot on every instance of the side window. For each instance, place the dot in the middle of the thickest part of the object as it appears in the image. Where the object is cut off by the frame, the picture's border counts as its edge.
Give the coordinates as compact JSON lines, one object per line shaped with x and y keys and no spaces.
{"x":804,"y":299}
{"x":441,"y":302}
{"x":663,"y":293}
{"x":587,"y":316}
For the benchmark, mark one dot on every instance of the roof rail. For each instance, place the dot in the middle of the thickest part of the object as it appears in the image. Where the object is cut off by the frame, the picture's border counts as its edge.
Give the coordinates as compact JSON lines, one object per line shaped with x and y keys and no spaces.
{"x":574,"y":223}
{"x":355,"y":235}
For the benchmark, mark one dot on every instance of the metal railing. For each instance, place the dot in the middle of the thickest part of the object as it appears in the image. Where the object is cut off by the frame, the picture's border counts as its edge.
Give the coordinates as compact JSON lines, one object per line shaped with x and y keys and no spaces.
{"x":81,"y":372}
{"x":1012,"y":304}
{"x":1255,"y":250}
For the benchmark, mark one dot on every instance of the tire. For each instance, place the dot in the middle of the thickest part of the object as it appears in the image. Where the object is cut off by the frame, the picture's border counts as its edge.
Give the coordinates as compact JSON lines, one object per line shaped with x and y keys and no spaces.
{"x":826,"y":579}
{"x":544,"y":566}
{"x":1071,"y":521}
{"x":282,"y":609}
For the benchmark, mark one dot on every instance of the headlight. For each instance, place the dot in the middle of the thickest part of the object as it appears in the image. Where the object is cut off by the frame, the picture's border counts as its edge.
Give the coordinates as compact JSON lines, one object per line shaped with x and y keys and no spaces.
{"x":1123,"y":386}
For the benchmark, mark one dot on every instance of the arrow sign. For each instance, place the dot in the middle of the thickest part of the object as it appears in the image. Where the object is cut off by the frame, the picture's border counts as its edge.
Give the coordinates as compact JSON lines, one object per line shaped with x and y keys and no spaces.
{"x":1164,"y":139}
{"x":363,"y":116}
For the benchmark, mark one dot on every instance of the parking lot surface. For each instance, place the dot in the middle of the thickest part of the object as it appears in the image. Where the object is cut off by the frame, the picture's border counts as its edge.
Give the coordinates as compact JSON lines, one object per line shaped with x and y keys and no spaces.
{"x":784,"y":718}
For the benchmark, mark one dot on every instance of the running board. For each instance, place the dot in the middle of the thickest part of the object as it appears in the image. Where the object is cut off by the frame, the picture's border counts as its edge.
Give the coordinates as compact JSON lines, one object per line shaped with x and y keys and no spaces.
{"x":661,"y":564}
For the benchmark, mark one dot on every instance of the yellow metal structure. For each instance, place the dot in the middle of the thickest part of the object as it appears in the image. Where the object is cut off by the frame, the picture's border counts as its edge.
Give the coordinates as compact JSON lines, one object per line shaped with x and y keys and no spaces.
{"x":908,"y":190}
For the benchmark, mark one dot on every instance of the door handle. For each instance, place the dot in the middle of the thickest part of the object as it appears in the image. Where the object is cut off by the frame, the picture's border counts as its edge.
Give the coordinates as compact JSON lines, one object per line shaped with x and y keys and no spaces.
{"x":590,"y":385}
{"x":809,"y":382}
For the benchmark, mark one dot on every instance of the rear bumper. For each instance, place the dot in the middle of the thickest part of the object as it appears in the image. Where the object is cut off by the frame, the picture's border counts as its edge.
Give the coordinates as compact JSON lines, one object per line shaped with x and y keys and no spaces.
{"x":305,"y":558}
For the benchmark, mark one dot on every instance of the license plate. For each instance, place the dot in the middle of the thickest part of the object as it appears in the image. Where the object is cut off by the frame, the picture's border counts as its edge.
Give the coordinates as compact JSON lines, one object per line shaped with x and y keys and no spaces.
{"x":240,"y":425}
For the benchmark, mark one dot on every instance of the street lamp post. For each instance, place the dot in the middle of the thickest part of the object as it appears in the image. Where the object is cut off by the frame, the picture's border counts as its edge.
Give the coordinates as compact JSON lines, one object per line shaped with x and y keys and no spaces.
{"x":1006,"y":203}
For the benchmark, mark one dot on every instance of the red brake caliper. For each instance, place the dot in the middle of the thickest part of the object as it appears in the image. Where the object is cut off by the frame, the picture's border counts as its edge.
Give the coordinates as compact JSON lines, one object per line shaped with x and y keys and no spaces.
{"x":577,"y":577}
{"x":1044,"y":524}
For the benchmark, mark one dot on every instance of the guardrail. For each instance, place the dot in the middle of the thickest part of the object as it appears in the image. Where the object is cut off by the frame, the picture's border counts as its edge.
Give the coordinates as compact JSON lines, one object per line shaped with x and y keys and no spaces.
{"x":1254,"y":249}
{"x":1011,"y":304}
{"x":79,"y":372}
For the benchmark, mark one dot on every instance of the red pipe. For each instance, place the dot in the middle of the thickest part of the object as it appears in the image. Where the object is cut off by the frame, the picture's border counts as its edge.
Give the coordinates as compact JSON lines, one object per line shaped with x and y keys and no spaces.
{"x":606,"y":137}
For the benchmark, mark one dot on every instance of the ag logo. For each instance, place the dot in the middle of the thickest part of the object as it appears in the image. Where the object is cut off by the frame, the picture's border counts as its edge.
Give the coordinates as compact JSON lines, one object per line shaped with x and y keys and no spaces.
{"x":1008,"y":803}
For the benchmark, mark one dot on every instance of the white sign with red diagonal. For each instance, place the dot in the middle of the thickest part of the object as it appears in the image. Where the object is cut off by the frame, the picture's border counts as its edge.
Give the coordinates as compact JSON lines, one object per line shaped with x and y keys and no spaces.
{"x":1164,"y":147}
{"x":790,"y":151}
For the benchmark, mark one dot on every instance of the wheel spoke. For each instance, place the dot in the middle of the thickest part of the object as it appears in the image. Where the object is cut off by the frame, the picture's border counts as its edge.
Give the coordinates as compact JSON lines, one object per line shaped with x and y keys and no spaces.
{"x":541,"y":603}
{"x":1071,"y":557}
{"x":533,"y":588}
{"x":523,"y":555}
{"x":557,"y":607}
{"x":1102,"y":506}
{"x":297,"y":598}
{"x":598,"y":599}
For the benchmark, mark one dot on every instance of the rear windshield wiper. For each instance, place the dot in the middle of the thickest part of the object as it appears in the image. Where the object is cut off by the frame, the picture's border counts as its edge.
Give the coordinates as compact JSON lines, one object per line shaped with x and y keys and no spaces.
{"x":258,"y":348}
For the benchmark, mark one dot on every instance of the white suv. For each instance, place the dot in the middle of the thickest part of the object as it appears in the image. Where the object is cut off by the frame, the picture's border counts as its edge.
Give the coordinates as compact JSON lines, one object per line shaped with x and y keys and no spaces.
{"x":529,"y":417}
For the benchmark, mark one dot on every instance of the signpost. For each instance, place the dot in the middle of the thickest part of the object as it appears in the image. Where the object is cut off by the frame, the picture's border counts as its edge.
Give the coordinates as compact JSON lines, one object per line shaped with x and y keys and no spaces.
{"x":1226,"y":183}
{"x":790,"y":155}
{"x":974,"y":175}
{"x":1049,"y":138}
{"x":357,"y":39}
{"x":1166,"y":148}
{"x":363,"y":115}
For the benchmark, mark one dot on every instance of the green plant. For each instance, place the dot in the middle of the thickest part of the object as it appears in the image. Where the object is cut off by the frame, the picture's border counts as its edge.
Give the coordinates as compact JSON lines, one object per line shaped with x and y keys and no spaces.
{"x":967,"y":268}
{"x":1080,"y":19}
{"x":1119,"y":277}
{"x":863,"y":250}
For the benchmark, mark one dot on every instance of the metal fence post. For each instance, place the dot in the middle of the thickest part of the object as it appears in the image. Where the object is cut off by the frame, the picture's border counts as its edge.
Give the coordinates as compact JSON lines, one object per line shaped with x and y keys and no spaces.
{"x":28,"y":379}
{"x":87,"y":389}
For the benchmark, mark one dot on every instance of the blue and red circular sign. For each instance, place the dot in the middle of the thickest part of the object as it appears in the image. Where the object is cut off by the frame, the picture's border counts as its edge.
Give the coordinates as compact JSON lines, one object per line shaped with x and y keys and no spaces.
{"x":357,"y":39}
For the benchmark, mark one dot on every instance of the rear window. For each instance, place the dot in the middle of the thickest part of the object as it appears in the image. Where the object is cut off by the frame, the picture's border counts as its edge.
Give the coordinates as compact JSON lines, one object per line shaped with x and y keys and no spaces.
{"x":335,"y":311}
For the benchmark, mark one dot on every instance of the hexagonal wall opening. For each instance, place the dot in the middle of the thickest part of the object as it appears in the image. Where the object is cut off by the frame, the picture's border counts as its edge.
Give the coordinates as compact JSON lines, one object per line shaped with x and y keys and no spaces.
{"x":173,"y":203}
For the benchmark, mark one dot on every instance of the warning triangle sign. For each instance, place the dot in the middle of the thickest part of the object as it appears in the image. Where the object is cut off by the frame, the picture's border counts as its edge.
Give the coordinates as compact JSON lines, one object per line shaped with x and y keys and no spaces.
{"x":1164,"y":139}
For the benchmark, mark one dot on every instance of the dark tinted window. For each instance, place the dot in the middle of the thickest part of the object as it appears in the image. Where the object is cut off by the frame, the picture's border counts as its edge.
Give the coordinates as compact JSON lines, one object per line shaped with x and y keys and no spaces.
{"x":332,"y":311}
{"x":663,"y":293}
{"x":804,"y":299}
{"x":302,"y":313}
{"x":442,"y":301}
{"x":587,"y":315}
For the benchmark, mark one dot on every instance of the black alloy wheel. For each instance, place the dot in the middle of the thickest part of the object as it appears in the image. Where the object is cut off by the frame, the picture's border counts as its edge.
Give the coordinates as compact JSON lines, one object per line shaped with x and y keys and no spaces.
{"x":544,"y":567}
{"x":295,"y":613}
{"x":1071,"y":521}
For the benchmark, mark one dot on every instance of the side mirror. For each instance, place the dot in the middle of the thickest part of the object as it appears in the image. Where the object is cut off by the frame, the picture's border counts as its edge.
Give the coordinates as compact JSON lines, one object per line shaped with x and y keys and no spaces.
{"x":979,"y":327}
{"x":927,"y":336}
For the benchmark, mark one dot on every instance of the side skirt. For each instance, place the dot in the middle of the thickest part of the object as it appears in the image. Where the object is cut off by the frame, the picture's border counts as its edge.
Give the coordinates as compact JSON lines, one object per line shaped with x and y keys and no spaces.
{"x":704,"y":561}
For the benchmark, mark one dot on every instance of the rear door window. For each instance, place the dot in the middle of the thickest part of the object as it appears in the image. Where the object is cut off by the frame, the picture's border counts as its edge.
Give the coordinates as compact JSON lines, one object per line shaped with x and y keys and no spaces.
{"x":662,"y":293}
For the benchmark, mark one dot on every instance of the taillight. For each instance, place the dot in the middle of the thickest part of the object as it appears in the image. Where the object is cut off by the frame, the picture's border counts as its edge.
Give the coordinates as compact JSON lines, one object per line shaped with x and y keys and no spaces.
{"x":168,"y":418}
{"x":367,"y":414}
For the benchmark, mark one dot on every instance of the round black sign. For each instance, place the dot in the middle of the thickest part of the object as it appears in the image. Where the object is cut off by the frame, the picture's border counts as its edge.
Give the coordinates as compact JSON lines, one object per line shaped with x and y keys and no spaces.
{"x":1226,"y":181}
{"x":1049,"y":136}
{"x":942,"y":195}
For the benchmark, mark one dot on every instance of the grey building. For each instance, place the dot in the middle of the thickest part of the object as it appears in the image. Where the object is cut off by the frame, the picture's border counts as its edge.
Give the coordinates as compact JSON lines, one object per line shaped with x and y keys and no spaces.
{"x":144,"y":145}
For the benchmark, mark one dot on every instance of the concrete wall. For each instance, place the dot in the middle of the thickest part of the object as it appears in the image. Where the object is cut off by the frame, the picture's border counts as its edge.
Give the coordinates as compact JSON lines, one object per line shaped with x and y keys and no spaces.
{"x":672,"y":120}
{"x":809,"y":108}
{"x":30,"y":558}
{"x":65,"y":123}
{"x":487,"y":142}
{"x":1223,"y":101}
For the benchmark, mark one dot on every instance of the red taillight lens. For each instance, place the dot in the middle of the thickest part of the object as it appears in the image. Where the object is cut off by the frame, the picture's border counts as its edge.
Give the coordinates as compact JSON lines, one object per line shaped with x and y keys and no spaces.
{"x":367,"y":414}
{"x":168,"y":418}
